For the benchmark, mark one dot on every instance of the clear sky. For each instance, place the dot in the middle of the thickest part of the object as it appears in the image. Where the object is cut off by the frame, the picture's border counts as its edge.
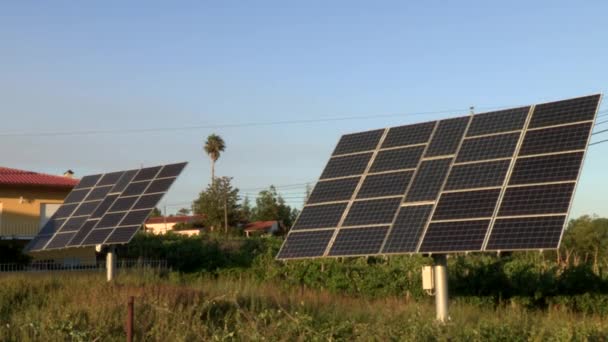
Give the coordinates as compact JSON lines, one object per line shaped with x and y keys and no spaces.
{"x":107,"y":65}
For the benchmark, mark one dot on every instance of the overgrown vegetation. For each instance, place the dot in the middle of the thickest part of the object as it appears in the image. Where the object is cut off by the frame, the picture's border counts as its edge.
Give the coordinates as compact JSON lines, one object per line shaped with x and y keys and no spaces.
{"x":232,"y":288}
{"x":174,"y":307}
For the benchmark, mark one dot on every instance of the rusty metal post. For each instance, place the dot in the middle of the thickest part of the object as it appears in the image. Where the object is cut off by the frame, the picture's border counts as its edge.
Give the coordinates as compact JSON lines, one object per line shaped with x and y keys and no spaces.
{"x":130,"y":319}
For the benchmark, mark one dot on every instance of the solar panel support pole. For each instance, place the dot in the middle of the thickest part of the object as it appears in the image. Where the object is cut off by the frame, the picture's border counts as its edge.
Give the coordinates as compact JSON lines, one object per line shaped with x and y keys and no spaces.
{"x":440,"y":275}
{"x":111,"y":263}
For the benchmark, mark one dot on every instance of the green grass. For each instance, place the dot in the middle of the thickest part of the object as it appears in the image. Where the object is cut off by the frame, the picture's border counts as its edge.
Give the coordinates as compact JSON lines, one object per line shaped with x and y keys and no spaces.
{"x":83,"y":307}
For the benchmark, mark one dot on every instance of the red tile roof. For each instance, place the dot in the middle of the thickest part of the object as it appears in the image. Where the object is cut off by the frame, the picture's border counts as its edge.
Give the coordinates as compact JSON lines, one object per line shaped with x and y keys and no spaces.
{"x":175,"y":219}
{"x":10,"y":176}
{"x":259,"y":225}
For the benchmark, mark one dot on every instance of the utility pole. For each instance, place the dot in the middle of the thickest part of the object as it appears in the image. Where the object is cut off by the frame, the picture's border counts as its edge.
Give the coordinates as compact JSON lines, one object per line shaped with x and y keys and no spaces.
{"x":226,"y":213}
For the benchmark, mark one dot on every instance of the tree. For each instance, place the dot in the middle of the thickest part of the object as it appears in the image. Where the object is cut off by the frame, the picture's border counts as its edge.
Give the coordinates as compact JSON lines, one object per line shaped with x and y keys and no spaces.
{"x":156,"y":213}
{"x":219,"y":204}
{"x":183,"y":212}
{"x":246,"y":210}
{"x":214,"y":146}
{"x":585,"y":240}
{"x":270,"y":206}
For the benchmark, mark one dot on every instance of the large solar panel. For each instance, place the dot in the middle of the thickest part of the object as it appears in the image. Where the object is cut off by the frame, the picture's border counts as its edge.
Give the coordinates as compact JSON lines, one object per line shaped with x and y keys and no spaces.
{"x":106,"y":209}
{"x":496,"y":181}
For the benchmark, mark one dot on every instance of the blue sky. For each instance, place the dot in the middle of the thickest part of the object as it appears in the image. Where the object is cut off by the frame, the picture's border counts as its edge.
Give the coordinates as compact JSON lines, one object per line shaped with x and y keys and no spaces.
{"x":77,"y":66}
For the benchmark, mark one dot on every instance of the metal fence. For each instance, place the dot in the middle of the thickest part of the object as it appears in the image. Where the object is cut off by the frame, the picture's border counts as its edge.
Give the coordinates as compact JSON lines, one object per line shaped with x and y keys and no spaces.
{"x":81,"y":265}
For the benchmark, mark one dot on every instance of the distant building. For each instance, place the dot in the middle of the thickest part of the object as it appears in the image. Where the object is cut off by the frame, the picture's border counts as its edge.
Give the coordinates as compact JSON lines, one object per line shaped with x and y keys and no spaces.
{"x":165,"y":224}
{"x":264,"y":227}
{"x":27,"y":201}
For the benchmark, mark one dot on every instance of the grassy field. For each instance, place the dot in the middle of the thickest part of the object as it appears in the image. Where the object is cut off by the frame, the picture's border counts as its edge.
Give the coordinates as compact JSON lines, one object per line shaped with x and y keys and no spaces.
{"x":82,"y":307}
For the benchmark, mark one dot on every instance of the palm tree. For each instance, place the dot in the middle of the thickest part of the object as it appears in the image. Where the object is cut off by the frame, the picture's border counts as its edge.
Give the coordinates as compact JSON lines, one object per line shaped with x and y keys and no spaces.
{"x":214,"y":146}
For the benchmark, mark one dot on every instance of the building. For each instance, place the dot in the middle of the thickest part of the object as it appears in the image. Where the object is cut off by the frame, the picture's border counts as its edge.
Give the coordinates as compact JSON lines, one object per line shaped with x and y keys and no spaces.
{"x":264,"y":227}
{"x":27,"y":201}
{"x":165,"y":224}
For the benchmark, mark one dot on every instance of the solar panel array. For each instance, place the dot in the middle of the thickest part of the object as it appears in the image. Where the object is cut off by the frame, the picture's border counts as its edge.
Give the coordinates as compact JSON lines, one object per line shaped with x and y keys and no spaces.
{"x":497,"y":181}
{"x":106,"y":208}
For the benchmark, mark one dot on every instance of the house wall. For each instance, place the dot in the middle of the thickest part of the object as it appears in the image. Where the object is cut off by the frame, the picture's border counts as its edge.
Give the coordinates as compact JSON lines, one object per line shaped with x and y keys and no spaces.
{"x":160,"y":228}
{"x":22,"y":220}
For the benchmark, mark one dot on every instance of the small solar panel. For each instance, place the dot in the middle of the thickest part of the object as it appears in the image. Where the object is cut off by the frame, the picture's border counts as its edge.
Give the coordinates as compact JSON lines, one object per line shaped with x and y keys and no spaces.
{"x":456,"y":236}
{"x":526,"y":233}
{"x":379,"y":211}
{"x":306,"y":244}
{"x":429,"y":179}
{"x":556,"y":139}
{"x":405,"y":233}
{"x":499,"y":121}
{"x":351,"y":165}
{"x":544,"y":169}
{"x":334,"y":190}
{"x":561,"y":112}
{"x":397,"y":159}
{"x":447,"y":137}
{"x":385,"y":184}
{"x":359,"y":241}
{"x":477,"y":175}
{"x":99,"y":205}
{"x":502,"y":180}
{"x":409,"y":135}
{"x":320,"y":216}
{"x":486,"y":148}
{"x":357,"y":142}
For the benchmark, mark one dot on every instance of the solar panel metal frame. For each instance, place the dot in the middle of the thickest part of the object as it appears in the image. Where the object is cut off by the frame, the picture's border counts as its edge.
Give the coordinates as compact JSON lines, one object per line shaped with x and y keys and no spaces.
{"x":503,"y":187}
{"x":59,"y":233}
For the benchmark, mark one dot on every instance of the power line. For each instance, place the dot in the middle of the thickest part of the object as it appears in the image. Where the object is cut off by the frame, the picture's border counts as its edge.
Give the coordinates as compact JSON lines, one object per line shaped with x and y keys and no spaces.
{"x":238,"y":125}
{"x":598,"y":132}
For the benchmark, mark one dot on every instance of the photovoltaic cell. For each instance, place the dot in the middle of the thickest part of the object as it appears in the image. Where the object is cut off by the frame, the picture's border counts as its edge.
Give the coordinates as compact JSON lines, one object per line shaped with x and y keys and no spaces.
{"x":385,"y":184}
{"x":172,"y":170}
{"x":516,"y":169}
{"x":334,"y":190}
{"x":466,"y":204}
{"x":160,"y":185}
{"x":537,"y":199}
{"x":87,"y":182}
{"x":147,"y":201}
{"x":397,"y":159}
{"x":490,"y":147}
{"x":73,"y":224}
{"x":551,"y":168}
{"x":98,"y":193}
{"x":477,"y":175}
{"x":110,"y":220}
{"x":359,"y":241}
{"x":61,"y":240}
{"x":306,"y":244}
{"x":346,"y":166}
{"x":86,"y":208}
{"x":97,"y":237}
{"x":135,"y":217}
{"x":410,"y":222}
{"x":123,"y":204}
{"x":526,"y":233}
{"x":561,"y":112}
{"x":110,"y":178}
{"x":124,"y":181}
{"x":447,"y":137}
{"x":122,"y":234}
{"x":409,"y":135}
{"x":499,"y":121}
{"x":135,"y":189}
{"x":320,"y":216}
{"x":104,"y":206}
{"x":76,"y":196}
{"x":556,"y":139}
{"x":65,"y":210}
{"x":429,"y":179}
{"x":358,"y":142}
{"x":82,"y":233}
{"x":455,"y":236}
{"x":147,"y":173}
{"x":381,"y":211}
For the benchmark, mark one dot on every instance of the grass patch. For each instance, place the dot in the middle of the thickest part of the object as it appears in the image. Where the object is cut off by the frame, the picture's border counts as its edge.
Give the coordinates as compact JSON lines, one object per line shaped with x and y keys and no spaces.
{"x":83,"y":307}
